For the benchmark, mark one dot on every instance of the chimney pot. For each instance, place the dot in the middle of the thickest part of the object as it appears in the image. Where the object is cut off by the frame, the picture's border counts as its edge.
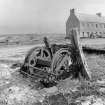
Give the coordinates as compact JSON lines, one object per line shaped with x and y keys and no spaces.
{"x":98,"y":14}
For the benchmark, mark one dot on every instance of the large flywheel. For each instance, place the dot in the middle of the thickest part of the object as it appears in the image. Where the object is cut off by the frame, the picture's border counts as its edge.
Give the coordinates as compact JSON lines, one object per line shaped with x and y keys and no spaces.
{"x":61,"y":62}
{"x":36,"y":56}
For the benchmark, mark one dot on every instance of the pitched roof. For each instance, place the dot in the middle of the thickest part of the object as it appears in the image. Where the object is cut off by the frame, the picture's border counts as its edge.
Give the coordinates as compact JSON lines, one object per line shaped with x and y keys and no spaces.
{"x":90,"y":18}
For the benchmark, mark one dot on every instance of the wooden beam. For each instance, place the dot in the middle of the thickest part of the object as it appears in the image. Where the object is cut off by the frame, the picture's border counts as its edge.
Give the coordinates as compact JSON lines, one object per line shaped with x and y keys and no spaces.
{"x":80,"y":60}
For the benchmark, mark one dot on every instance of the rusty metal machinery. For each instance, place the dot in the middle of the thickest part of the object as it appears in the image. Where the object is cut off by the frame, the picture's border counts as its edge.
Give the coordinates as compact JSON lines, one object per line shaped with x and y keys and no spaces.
{"x":52,"y":63}
{"x":48,"y":66}
{"x":39,"y":63}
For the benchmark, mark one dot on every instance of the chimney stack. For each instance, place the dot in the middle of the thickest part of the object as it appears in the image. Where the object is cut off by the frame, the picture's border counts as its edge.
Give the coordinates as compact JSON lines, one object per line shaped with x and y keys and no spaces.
{"x":72,"y":11}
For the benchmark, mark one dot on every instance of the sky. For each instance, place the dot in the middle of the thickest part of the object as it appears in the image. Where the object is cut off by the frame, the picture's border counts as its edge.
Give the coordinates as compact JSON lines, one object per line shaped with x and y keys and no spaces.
{"x":42,"y":16}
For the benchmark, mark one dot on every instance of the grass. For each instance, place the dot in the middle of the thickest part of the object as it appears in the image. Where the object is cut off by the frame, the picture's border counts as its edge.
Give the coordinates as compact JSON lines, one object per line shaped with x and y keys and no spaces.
{"x":96,"y":64}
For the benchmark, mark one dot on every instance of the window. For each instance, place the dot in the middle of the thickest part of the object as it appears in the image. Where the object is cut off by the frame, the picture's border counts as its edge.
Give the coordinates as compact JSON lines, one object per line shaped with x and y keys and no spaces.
{"x":83,"y":34}
{"x":92,"y":24}
{"x":88,"y":34}
{"x":100,"y":25}
{"x":88,"y":24}
{"x":96,"y":25}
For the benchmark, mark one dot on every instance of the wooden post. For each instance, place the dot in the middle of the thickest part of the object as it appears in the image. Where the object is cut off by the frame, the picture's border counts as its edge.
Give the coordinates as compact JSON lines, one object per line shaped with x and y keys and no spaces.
{"x":47,"y":45}
{"x":78,"y":55}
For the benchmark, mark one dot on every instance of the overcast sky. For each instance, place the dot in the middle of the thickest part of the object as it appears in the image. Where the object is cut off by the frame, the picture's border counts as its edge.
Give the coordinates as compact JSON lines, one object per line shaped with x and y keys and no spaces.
{"x":42,"y":16}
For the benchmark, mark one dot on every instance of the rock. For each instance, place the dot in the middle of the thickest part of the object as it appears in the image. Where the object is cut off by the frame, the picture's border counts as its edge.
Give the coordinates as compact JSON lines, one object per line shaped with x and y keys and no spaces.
{"x":51,"y":90}
{"x":16,"y":65}
{"x":58,"y":99}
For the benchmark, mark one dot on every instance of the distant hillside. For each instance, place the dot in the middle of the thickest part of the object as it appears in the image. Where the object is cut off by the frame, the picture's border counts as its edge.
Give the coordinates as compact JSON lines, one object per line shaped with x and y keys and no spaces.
{"x":28,"y":38}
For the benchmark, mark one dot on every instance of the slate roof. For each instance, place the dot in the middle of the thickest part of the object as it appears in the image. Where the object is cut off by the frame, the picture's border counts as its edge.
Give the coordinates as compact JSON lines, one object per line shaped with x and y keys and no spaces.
{"x":90,"y":18}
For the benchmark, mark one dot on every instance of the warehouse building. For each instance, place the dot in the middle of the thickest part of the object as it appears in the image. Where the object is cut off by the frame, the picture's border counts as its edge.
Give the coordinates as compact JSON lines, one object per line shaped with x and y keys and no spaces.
{"x":89,"y":26}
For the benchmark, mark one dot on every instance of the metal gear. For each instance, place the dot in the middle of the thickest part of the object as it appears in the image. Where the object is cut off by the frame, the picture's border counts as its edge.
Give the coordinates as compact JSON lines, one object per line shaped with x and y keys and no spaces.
{"x":35,"y":54}
{"x":61,"y":62}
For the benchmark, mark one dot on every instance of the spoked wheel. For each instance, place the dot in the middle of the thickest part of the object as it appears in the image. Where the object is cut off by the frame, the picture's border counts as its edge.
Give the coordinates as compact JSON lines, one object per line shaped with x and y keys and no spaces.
{"x":34,"y":55}
{"x":61,"y":62}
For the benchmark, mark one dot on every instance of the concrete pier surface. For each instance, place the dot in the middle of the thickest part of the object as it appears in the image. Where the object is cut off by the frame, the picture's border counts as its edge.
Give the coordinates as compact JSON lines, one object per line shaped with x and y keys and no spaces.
{"x":99,"y":42}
